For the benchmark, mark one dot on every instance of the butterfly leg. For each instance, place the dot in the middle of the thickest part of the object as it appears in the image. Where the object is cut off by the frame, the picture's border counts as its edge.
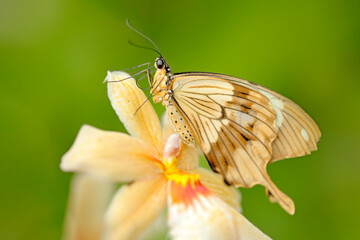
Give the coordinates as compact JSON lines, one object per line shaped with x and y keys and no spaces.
{"x":150,"y":80}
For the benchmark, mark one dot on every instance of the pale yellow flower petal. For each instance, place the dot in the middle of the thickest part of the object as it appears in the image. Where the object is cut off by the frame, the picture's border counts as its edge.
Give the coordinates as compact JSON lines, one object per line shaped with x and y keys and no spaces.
{"x":135,"y":208}
{"x":167,"y":127}
{"x":89,"y":198}
{"x":215,"y":183}
{"x":158,"y":229}
{"x":126,"y":98}
{"x":195,"y":213}
{"x":111,"y":155}
{"x":188,"y":158}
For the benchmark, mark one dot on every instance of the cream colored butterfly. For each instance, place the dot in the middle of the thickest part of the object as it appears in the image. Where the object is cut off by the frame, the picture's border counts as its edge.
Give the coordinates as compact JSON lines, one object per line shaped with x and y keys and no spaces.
{"x":239,"y":125}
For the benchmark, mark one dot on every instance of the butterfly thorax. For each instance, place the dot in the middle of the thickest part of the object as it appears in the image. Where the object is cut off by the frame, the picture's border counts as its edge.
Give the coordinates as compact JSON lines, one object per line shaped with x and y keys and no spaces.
{"x":160,"y":86}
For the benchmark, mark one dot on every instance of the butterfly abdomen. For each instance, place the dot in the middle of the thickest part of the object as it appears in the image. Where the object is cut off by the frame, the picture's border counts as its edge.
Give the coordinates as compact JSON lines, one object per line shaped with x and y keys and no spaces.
{"x":180,"y":124}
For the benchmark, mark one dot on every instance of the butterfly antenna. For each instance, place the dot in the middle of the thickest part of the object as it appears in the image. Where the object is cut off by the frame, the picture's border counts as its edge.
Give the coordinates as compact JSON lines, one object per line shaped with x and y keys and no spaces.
{"x":144,"y":47}
{"x":143,"y":35}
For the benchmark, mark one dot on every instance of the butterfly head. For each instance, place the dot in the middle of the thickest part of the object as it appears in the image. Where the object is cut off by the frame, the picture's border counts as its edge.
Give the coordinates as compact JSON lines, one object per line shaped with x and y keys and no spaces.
{"x":161,"y":64}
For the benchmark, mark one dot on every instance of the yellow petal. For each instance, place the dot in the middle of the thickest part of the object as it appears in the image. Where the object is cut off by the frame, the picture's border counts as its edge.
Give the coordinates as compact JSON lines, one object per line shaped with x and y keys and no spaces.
{"x":202,"y":215}
{"x":189,"y":156}
{"x":126,"y":98}
{"x":135,"y":208}
{"x":215,"y":183}
{"x":111,"y":155}
{"x":89,"y":198}
{"x":167,"y":127}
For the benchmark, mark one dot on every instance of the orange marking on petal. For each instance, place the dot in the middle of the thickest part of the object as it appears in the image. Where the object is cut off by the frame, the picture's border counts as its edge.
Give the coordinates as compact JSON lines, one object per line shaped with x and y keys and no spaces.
{"x":186,"y":188}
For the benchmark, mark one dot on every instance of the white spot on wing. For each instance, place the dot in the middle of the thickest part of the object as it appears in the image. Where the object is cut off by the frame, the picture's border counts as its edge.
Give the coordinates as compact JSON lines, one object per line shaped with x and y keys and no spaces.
{"x":305,"y":135}
{"x":278,"y":105}
{"x":245,"y":117}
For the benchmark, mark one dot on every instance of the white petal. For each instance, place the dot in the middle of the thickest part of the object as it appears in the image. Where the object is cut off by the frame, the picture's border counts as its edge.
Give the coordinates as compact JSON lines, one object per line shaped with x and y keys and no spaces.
{"x":196,"y":213}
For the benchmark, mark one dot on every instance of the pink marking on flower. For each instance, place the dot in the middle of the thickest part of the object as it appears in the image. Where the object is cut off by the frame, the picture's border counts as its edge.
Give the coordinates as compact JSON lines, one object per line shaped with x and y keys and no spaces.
{"x":189,"y":193}
{"x":173,"y":146}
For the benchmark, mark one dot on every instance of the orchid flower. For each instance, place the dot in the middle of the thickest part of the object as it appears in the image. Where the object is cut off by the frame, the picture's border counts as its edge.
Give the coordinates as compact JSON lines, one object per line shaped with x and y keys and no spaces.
{"x":160,"y":171}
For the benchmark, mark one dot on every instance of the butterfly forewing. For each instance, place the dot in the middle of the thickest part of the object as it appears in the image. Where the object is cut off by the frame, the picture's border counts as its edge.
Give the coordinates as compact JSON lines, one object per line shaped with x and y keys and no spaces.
{"x":298,"y":134}
{"x":241,"y":126}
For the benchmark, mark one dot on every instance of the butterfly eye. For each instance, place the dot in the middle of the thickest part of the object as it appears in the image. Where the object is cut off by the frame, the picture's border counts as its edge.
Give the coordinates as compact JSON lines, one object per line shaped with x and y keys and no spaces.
{"x":159,"y":63}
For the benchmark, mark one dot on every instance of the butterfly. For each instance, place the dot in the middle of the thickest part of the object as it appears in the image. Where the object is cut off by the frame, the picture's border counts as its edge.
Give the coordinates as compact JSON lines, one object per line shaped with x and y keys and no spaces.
{"x":239,"y":125}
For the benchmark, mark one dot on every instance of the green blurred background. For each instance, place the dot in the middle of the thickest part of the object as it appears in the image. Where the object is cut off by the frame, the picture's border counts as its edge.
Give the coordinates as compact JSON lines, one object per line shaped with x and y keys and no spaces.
{"x":54,"y":56}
